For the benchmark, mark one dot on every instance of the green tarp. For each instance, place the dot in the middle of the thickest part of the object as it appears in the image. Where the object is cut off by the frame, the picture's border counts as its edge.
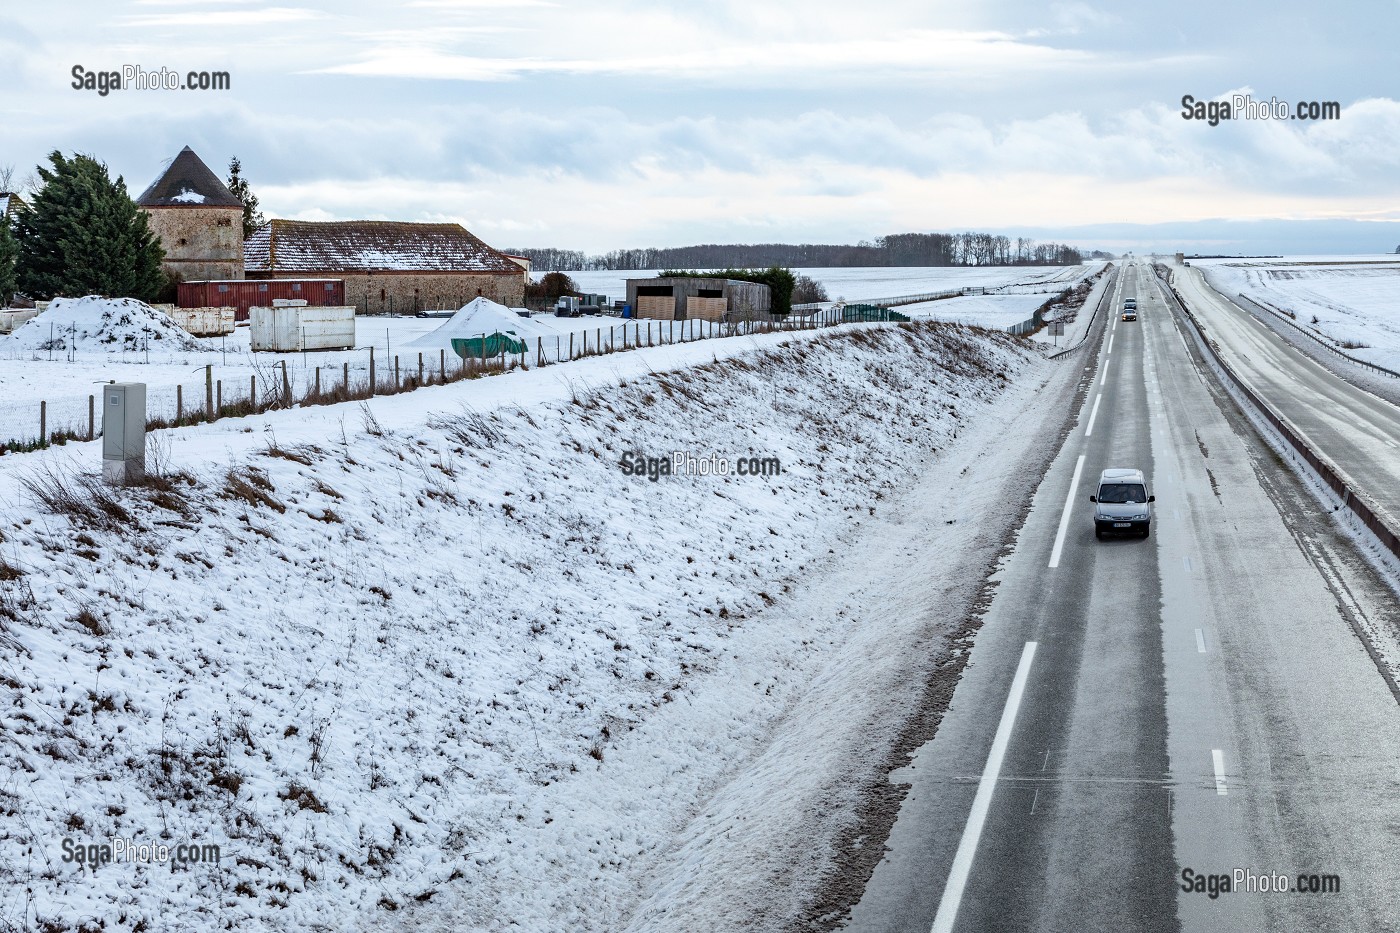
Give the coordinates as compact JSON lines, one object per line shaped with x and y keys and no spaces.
{"x":859,"y":312}
{"x":495,"y":344}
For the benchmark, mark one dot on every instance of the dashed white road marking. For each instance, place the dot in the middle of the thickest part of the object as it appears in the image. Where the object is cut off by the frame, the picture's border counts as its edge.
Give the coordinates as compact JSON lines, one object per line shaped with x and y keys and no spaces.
{"x":1187,"y":561}
{"x":1200,"y":641}
{"x":1064,"y":516}
{"x":1094,"y":413}
{"x":1218,"y":758}
{"x":1110,"y":343}
{"x":1104,"y":380}
{"x":967,"y":848}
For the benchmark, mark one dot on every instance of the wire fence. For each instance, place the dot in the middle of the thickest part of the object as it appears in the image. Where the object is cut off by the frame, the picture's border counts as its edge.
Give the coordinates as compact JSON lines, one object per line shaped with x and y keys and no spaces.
{"x":266,"y":385}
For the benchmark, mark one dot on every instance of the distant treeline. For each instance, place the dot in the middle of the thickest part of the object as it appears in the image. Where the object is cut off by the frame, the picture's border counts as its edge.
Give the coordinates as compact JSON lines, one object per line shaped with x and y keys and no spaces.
{"x":901,"y":249}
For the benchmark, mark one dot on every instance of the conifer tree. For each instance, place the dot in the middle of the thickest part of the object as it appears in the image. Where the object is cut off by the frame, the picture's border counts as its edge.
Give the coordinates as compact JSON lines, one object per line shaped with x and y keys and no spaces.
{"x":84,"y":235}
{"x":9,"y":255}
{"x":238,"y":185}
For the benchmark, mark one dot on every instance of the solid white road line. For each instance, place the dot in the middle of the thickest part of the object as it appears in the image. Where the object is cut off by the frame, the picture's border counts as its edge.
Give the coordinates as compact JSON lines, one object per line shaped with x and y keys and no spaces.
{"x":1200,"y":641}
{"x":1064,"y":516}
{"x":1219,"y":758}
{"x":1094,"y":413}
{"x":967,"y":849}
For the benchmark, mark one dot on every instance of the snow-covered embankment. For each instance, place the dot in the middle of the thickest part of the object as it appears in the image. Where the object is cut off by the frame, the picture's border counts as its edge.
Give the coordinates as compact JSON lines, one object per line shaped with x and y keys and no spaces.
{"x":445,"y":661}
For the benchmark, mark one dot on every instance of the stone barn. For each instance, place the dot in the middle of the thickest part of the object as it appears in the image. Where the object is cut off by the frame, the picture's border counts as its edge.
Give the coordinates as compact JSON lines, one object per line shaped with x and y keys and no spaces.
{"x":388,"y":267}
{"x":197,"y":220}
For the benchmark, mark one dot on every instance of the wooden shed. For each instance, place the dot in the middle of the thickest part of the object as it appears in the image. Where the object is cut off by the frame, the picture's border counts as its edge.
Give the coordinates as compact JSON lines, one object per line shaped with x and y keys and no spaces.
{"x":679,"y":298}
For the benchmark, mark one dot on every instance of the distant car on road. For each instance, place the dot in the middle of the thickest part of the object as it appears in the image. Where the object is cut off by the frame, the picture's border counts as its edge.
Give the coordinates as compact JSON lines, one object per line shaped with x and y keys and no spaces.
{"x":1122,"y":504}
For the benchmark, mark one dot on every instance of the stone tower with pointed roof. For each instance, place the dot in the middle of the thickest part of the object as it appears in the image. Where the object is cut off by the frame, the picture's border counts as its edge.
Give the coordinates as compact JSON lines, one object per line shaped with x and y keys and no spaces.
{"x":198,"y":221}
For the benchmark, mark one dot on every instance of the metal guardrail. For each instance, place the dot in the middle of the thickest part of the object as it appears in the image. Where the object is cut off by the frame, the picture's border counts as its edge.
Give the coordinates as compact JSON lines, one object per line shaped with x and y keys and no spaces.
{"x":1107,"y":293}
{"x":1329,"y":474}
{"x":1264,"y":306}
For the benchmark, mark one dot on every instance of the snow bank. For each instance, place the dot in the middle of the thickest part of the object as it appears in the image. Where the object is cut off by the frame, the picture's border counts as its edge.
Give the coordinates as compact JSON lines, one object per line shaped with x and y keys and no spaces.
{"x":1351,"y":303}
{"x":94,"y":323}
{"x":478,"y":317}
{"x":384,"y":668}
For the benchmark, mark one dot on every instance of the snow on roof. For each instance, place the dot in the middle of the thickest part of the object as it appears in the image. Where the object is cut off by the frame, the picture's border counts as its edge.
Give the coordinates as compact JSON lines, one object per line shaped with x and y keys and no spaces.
{"x":369,"y":246}
{"x":97,"y":323}
{"x":481,"y":317}
{"x":188,"y":182}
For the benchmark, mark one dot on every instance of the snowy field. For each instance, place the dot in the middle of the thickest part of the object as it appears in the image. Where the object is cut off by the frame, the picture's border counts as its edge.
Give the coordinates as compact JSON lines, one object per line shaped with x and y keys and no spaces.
{"x":1348,"y":300}
{"x":436,"y":662}
{"x":64,"y":379}
{"x":1000,"y":311}
{"x":861,"y":284}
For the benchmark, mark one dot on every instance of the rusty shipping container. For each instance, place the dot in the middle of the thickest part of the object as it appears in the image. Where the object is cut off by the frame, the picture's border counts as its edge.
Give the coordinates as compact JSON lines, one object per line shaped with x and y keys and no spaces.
{"x":243,"y":294}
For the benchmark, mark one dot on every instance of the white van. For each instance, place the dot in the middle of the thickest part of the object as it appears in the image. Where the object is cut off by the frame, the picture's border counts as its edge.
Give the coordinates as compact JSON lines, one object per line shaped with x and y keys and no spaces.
{"x":1122,"y":504}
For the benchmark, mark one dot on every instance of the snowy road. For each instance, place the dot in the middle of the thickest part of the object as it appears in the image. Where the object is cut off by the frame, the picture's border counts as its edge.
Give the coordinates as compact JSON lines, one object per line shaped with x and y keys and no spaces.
{"x":1357,"y":431}
{"x":1194,"y":701}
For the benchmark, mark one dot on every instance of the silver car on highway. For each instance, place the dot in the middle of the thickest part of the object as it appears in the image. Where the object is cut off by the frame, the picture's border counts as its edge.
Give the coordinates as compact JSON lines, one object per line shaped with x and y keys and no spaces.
{"x":1122,"y":504}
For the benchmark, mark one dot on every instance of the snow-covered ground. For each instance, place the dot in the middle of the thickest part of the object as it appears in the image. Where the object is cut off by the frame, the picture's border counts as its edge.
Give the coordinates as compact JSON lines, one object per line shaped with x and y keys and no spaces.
{"x":858,"y":284}
{"x":32,"y":371}
{"x":1348,"y":300}
{"x":999,"y":311}
{"x":388,"y":657}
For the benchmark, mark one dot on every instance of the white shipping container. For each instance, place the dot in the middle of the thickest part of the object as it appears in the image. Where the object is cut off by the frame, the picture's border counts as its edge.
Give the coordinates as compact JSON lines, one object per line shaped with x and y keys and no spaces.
{"x":205,"y":322}
{"x":9,"y":320}
{"x":293,"y":329}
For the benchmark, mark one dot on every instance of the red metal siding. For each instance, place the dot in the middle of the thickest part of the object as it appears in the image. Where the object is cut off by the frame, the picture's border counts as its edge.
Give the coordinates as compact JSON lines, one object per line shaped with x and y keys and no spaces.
{"x":247,"y":293}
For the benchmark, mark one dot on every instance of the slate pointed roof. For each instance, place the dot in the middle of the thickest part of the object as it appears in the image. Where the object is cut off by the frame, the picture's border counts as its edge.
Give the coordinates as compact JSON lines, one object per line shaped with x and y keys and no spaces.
{"x":188,"y":182}
{"x":303,"y":246}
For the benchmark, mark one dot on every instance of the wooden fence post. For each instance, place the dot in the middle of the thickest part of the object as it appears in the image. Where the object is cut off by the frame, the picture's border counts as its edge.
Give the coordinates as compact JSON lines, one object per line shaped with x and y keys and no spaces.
{"x":539,"y":351}
{"x":218,"y":398}
{"x":571,"y":345}
{"x":92,"y":417}
{"x":209,"y":393}
{"x":179,"y":403}
{"x":286,"y":387}
{"x":253,"y":391}
{"x":371,"y":371}
{"x":442,"y":364}
{"x":345,"y":380}
{"x":420,"y":369}
{"x":43,"y":424}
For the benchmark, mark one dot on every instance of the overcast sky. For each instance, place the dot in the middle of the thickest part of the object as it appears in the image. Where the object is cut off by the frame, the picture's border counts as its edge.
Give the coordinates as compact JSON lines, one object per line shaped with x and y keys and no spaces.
{"x":612,"y":123}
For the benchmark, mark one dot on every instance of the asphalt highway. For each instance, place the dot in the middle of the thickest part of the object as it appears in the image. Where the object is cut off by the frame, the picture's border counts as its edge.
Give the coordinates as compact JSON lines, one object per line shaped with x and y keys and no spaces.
{"x":1134,"y":709}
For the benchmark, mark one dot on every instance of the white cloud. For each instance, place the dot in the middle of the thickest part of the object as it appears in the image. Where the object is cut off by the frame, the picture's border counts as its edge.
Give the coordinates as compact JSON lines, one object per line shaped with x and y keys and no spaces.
{"x":206,"y":18}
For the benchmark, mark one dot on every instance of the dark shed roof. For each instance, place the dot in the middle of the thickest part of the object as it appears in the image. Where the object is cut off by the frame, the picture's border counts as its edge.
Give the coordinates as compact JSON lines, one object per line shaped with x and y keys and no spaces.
{"x":188,"y":182}
{"x":304,"y":246}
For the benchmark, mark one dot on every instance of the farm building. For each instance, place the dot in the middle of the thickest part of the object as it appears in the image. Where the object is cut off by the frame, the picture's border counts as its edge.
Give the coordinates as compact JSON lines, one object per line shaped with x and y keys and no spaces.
{"x":9,"y":203}
{"x":244,"y":294}
{"x":387,"y":266}
{"x":690,"y":297}
{"x":197,"y":219}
